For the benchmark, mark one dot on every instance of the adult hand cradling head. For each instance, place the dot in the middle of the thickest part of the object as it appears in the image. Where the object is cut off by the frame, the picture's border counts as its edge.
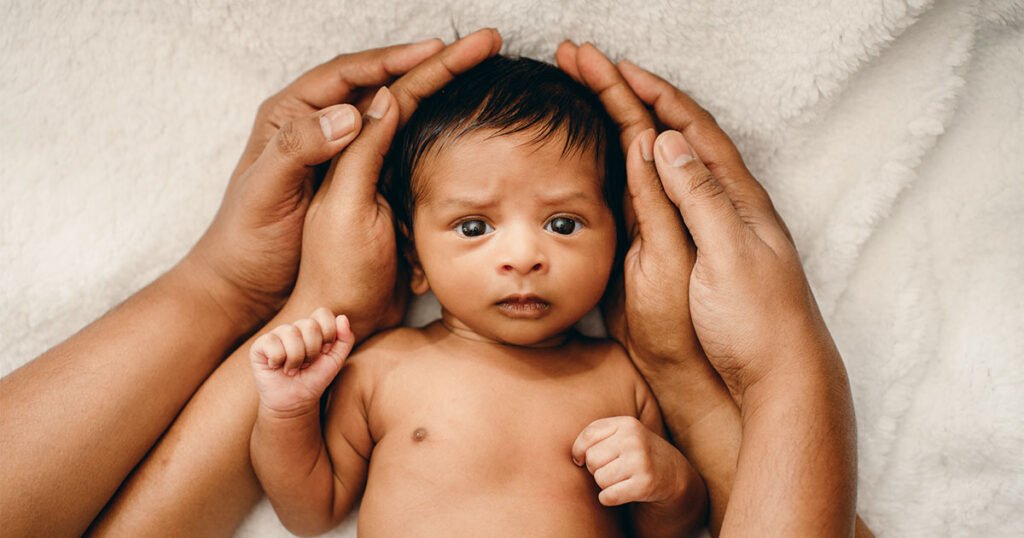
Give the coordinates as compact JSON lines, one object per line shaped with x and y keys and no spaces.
{"x":270,"y":214}
{"x":732,"y":275}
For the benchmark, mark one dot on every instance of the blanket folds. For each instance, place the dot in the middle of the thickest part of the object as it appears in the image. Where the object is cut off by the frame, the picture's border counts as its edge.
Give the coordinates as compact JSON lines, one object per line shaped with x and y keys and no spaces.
{"x":889,"y":134}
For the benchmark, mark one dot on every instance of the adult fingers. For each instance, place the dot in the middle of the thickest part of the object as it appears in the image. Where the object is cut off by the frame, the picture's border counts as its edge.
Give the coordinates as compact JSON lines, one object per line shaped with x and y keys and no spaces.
{"x":286,"y":163}
{"x":565,"y":57}
{"x":706,"y":208}
{"x":680,"y":112}
{"x":344,"y":79}
{"x":624,"y":107}
{"x":658,"y":221}
{"x":334,"y":81}
{"x":435,"y":72}
{"x":361,"y":164}
{"x":354,"y":175}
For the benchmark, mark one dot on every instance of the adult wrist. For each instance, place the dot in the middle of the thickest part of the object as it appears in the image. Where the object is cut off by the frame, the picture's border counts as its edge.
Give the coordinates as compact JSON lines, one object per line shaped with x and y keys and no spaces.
{"x":243,"y":311}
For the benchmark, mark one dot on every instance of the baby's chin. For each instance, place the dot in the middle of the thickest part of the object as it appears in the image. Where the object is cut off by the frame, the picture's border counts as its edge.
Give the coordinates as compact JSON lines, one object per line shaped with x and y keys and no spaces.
{"x":526,"y":334}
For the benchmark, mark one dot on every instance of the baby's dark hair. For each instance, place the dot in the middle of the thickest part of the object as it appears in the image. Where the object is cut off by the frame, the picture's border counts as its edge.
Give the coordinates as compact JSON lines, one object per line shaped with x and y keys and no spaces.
{"x":507,"y":95}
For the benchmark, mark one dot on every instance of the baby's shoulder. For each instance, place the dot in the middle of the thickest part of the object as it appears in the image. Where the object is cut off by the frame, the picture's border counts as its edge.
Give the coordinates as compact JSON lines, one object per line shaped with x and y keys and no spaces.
{"x":606,"y":355}
{"x":386,"y":349}
{"x":611,"y":363}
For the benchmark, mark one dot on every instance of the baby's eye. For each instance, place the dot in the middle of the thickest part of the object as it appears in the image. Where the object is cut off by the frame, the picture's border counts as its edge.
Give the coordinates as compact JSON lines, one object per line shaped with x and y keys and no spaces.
{"x":473,"y":228}
{"x":563,"y":225}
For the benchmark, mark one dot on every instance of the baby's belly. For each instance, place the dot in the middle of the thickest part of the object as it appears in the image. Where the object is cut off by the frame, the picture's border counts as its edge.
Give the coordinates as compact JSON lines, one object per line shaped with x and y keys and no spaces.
{"x":484,"y":480}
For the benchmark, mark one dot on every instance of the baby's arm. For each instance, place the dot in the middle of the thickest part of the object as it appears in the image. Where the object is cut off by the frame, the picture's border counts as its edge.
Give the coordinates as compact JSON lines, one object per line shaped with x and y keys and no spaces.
{"x":311,"y":484}
{"x":633,"y":463}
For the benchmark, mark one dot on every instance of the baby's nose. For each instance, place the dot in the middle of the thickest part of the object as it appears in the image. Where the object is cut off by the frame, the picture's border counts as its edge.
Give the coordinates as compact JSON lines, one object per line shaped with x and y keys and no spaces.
{"x":522,"y":254}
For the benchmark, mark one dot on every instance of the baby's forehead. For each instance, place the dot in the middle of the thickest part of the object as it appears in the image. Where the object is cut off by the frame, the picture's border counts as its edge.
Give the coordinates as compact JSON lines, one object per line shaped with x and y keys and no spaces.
{"x":484,"y":161}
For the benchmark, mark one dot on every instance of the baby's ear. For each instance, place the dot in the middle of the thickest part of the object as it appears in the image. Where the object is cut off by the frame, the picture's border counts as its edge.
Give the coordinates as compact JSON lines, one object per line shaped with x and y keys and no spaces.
{"x":417,"y":278}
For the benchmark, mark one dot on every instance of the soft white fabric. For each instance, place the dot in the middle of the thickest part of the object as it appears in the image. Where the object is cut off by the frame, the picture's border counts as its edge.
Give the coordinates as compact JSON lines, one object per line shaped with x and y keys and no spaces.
{"x":889,"y":134}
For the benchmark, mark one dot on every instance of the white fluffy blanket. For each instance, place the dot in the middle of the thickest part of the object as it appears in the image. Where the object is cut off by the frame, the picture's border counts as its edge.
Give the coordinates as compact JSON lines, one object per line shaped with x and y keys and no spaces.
{"x":889,"y":133}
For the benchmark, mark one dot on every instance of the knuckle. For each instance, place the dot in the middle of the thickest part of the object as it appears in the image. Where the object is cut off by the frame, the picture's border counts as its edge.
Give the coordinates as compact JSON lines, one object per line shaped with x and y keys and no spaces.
{"x":323,"y":312}
{"x":288,"y":140}
{"x":704,"y":115}
{"x":306,"y":325}
{"x":407,"y":94}
{"x":703,"y":184}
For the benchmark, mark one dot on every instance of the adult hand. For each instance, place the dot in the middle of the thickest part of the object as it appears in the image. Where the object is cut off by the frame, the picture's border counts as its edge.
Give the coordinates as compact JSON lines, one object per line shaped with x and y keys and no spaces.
{"x":349,"y":225}
{"x":647,"y":311}
{"x":203,"y":487}
{"x":249,"y":256}
{"x":749,"y":302}
{"x":748,"y":298}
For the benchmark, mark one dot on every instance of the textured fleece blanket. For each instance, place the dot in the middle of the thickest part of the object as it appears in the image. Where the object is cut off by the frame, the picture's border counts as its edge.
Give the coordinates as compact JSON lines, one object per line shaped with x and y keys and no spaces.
{"x":888,"y":132}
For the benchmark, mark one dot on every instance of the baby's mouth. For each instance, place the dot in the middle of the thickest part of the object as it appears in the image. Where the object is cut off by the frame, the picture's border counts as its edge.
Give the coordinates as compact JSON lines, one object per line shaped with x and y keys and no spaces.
{"x":520,"y":306}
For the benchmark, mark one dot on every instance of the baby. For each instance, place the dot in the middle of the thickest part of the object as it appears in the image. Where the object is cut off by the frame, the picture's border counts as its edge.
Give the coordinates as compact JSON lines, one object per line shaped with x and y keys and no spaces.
{"x":498,"y":419}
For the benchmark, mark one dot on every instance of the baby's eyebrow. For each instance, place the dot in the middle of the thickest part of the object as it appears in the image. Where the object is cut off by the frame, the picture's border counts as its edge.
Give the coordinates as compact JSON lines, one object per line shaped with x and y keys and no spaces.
{"x":469,"y":203}
{"x":570,"y":196}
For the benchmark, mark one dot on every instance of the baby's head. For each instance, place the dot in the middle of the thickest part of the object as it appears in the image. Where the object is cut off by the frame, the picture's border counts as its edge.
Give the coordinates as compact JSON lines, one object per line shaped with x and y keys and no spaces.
{"x":507,"y":187}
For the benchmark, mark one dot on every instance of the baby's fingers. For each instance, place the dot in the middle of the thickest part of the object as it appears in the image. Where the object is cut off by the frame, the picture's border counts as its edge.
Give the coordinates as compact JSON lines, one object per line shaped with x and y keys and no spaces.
{"x":612,"y":473}
{"x":325,"y":368}
{"x":312,"y":336}
{"x":620,"y":493}
{"x":325,"y":319}
{"x":268,"y":351}
{"x":294,"y":345}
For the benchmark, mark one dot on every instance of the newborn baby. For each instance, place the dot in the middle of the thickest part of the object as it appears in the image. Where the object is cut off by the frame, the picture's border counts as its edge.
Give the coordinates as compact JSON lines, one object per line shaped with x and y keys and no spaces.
{"x":499,"y":418}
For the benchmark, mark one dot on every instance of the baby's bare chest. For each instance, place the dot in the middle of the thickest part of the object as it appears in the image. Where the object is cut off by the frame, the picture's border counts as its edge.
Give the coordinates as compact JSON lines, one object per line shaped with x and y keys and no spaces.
{"x":478,"y":437}
{"x":476,"y":405}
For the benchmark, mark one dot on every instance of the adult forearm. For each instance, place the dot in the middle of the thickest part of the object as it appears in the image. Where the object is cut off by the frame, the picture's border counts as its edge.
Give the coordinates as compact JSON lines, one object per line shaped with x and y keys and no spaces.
{"x":78,"y":418}
{"x":291,"y":461}
{"x":683,"y":516}
{"x":711,"y":442}
{"x":797,"y":468}
{"x":704,"y":424}
{"x":199,"y":479}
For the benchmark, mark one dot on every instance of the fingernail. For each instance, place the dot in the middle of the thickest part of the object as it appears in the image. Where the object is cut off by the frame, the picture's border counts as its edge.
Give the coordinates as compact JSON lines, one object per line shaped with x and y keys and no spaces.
{"x":424,"y":42}
{"x":674,"y":149}
{"x":578,"y":464}
{"x":380,"y":104}
{"x":337,"y":123}
{"x":647,"y":145}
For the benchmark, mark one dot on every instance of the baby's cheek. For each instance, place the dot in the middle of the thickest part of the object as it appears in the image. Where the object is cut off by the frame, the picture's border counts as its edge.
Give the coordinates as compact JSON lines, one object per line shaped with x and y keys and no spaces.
{"x":585,"y":276}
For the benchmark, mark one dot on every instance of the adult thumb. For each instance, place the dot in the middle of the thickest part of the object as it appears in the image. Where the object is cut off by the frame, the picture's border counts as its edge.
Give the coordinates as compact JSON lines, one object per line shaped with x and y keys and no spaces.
{"x":302,"y":143}
{"x":707,"y":210}
{"x":354,"y":175}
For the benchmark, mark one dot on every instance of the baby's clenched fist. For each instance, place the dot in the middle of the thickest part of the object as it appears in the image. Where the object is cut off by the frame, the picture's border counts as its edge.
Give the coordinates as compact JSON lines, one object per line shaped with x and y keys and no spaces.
{"x":295,"y":363}
{"x":630,"y":463}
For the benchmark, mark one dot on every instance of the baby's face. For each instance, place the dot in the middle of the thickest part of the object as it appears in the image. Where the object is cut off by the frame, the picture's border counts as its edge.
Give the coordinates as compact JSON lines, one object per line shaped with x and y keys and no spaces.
{"x":515,"y":239}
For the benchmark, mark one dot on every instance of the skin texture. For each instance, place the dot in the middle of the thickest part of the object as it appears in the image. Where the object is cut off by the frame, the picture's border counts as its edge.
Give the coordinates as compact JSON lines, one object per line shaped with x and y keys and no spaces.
{"x":198,"y":480}
{"x":471,"y":421}
{"x":133,"y":370}
{"x":756,"y":395}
